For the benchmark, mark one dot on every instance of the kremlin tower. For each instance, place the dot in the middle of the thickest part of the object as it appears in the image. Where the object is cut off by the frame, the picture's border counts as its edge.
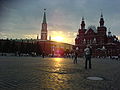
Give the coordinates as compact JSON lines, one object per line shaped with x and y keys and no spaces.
{"x":44,"y":27}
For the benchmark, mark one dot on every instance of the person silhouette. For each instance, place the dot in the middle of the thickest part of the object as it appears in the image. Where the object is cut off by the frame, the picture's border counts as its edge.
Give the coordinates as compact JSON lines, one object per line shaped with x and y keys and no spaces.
{"x":75,"y":58}
{"x":88,"y":53}
{"x":43,"y":54}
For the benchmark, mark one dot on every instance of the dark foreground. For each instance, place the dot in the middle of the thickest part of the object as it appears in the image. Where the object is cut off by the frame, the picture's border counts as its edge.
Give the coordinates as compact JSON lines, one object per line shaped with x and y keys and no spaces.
{"x":35,"y":73}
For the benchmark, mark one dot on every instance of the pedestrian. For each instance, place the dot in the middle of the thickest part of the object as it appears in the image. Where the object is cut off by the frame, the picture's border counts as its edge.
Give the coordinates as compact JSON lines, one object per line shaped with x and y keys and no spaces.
{"x":43,"y":54}
{"x":75,"y":58}
{"x":119,"y":57}
{"x":88,"y":53}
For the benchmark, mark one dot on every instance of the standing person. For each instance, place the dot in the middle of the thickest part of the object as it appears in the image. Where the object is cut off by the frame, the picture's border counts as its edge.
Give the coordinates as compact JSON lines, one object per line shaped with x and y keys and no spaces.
{"x":119,"y":57}
{"x":75,"y":58}
{"x":88,"y":53}
{"x":43,"y":54}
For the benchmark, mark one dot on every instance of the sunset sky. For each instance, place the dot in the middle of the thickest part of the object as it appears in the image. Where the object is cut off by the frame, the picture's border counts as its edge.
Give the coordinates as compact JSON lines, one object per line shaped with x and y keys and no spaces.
{"x":23,"y":18}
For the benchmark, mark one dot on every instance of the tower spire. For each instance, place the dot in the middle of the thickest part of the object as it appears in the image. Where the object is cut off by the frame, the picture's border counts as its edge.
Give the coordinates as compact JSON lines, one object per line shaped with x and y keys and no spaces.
{"x":101,"y":14}
{"x":101,"y":20}
{"x":44,"y":17}
{"x":83,"y":23}
{"x":44,"y":27}
{"x":82,"y":18}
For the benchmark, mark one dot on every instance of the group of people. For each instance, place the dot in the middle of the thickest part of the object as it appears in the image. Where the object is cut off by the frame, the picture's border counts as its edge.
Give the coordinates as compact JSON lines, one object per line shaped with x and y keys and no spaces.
{"x":87,"y":54}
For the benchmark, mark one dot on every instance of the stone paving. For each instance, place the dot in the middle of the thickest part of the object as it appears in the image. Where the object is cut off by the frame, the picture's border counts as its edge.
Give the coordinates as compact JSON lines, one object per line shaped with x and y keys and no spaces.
{"x":36,"y":73}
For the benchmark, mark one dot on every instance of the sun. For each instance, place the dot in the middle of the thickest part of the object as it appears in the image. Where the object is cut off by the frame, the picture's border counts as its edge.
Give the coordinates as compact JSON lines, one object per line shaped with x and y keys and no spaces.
{"x":58,"y":38}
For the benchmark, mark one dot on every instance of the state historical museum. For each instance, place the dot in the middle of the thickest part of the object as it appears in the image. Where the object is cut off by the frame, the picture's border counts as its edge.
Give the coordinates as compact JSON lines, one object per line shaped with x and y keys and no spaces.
{"x":103,"y":45}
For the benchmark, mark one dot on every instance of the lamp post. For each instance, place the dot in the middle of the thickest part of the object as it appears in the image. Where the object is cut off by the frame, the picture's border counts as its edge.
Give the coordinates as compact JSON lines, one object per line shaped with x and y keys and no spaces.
{"x":53,"y":49}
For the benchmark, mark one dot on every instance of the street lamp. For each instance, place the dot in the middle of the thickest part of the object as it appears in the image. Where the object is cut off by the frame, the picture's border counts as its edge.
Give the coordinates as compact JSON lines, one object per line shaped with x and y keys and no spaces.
{"x":53,"y":49}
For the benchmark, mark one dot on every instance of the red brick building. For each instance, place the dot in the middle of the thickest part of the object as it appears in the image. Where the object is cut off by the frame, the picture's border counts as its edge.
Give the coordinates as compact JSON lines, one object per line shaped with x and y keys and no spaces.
{"x":102,"y":44}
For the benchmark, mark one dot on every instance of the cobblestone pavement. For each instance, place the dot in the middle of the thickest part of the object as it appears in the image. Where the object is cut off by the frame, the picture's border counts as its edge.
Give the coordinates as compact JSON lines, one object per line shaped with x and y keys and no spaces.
{"x":36,"y":73}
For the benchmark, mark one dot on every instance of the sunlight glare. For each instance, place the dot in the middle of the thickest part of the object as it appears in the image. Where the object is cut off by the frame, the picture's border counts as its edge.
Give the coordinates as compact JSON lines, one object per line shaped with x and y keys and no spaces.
{"x":58,"y":38}
{"x":58,"y":59}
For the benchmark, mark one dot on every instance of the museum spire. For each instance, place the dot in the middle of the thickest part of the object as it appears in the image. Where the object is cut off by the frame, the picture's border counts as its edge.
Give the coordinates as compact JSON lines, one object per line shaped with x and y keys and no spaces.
{"x":44,"y":17}
{"x":83,"y":23}
{"x":101,"y":20}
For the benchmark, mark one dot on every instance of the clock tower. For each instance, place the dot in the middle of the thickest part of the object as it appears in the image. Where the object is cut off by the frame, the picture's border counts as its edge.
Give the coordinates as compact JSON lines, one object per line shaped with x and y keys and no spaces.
{"x":44,"y":27}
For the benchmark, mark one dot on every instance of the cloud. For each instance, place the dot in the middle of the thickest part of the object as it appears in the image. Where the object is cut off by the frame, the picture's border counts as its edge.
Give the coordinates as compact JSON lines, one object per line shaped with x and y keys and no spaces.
{"x":33,"y":36}
{"x":22,"y":18}
{"x":4,"y":35}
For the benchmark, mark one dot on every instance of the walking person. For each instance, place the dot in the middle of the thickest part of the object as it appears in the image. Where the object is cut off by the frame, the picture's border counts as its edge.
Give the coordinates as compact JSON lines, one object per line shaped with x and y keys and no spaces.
{"x":75,"y":58}
{"x":88,"y":53}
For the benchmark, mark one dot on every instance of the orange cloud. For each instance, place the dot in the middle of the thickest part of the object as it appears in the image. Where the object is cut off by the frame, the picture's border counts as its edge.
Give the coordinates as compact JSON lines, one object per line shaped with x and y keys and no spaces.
{"x":68,"y":36}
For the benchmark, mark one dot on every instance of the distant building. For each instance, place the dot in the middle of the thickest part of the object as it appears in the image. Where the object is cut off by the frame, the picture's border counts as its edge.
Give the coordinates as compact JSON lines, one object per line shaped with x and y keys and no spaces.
{"x":102,"y":44}
{"x":28,"y":46}
{"x":38,"y":46}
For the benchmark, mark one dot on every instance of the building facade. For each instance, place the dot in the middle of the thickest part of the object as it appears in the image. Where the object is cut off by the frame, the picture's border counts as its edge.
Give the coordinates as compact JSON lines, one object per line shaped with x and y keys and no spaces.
{"x":102,"y":44}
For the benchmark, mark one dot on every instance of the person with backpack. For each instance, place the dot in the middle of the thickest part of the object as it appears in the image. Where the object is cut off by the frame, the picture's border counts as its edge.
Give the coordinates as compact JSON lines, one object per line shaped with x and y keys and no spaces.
{"x":88,"y":54}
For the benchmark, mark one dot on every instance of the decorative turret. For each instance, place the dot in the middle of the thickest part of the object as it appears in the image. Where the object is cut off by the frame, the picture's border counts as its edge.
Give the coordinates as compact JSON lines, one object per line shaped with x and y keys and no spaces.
{"x":37,"y":36}
{"x":109,"y":33}
{"x":101,"y":29}
{"x":82,"y":23}
{"x":49,"y":38}
{"x":77,"y":40}
{"x":101,"y":20}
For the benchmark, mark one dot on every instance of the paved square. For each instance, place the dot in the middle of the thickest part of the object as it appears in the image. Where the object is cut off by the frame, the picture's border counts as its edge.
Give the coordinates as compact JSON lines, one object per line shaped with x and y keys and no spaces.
{"x":36,"y":73}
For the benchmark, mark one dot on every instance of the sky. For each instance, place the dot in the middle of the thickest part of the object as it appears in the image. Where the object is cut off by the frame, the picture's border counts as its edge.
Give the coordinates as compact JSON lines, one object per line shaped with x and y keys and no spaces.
{"x":23,"y":18}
